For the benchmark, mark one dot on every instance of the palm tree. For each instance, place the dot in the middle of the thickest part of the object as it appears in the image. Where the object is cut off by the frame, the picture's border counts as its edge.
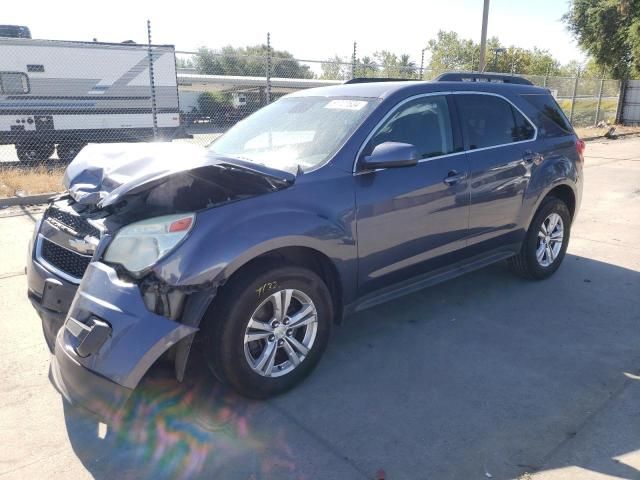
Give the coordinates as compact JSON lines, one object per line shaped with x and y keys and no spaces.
{"x":367,"y":67}
{"x":406,"y":65}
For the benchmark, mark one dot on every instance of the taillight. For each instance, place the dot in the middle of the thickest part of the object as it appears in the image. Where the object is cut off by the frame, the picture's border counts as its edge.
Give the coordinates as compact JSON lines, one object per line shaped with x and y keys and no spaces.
{"x":580,"y":147}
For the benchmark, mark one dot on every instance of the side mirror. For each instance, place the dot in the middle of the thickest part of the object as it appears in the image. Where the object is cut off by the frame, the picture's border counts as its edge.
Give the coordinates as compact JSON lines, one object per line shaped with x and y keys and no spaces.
{"x":391,"y":155}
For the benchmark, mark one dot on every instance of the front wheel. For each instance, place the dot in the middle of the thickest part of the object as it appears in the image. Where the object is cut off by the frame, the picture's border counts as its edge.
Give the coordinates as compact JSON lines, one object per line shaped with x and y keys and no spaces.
{"x":546,"y":242}
{"x":268,"y":329}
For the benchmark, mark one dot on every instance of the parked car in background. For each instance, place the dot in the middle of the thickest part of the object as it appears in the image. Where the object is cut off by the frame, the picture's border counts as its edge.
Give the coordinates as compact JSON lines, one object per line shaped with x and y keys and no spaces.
{"x":14,"y":31}
{"x":326,"y":202}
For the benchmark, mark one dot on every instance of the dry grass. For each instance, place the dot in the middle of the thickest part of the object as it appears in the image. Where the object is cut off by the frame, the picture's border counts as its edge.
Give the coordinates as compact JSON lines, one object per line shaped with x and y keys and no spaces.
{"x":30,"y":181}
{"x":589,"y":132}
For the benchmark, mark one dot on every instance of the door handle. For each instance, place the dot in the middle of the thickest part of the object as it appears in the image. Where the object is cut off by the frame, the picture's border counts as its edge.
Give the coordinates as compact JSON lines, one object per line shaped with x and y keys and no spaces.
{"x":454,"y":177}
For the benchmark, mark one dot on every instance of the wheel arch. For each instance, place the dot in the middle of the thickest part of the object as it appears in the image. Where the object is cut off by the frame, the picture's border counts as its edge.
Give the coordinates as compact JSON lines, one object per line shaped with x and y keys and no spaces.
{"x":562,"y":191}
{"x":306,"y":257}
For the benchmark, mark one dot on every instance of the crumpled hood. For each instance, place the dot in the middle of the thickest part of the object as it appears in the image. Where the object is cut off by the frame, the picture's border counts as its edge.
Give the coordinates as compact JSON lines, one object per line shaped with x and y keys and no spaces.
{"x":102,"y":174}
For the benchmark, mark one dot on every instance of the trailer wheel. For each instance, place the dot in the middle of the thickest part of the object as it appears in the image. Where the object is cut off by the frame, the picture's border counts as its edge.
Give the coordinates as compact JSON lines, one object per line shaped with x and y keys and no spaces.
{"x":34,"y":152}
{"x":68,"y":151}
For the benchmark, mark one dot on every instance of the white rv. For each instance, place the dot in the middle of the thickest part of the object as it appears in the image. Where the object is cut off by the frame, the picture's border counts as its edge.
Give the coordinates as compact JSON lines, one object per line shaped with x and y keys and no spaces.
{"x":61,"y":95}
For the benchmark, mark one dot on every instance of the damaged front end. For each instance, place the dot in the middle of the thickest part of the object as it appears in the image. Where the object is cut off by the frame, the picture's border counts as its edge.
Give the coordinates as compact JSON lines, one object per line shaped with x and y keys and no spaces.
{"x":90,"y":267}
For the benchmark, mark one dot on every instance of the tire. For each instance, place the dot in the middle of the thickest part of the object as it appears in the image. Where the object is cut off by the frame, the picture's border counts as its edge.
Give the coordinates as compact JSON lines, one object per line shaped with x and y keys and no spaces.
{"x":34,"y":152}
{"x":67,"y":151}
{"x":527,"y":263}
{"x":251,"y":295}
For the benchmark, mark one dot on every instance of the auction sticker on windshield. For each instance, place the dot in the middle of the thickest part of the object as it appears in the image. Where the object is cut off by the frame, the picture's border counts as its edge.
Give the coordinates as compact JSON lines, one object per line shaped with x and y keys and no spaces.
{"x":346,"y":104}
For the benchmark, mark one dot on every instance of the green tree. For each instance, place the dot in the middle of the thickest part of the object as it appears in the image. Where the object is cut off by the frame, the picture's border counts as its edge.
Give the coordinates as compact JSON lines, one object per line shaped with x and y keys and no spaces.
{"x":387,"y":63}
{"x":213,"y":103}
{"x":610,"y":31}
{"x":366,"y":67}
{"x":449,"y":52}
{"x":182,"y":62}
{"x":249,"y":61}
{"x":335,"y":69}
{"x":406,"y":66}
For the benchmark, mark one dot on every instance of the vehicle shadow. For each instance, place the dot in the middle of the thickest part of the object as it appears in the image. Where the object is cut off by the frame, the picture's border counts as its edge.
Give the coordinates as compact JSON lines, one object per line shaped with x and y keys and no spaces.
{"x":485,"y":374}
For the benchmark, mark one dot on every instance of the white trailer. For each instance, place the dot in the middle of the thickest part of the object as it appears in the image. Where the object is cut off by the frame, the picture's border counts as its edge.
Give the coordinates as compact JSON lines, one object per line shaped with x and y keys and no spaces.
{"x":62,"y":95}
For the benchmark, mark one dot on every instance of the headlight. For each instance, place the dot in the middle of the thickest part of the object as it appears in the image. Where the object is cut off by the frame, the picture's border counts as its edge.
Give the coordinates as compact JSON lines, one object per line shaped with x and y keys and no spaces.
{"x":141,"y":244}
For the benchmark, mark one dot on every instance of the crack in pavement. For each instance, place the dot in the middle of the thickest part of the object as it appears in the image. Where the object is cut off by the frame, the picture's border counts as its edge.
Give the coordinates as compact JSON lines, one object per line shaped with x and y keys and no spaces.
{"x":603,"y":242}
{"x":11,"y":275}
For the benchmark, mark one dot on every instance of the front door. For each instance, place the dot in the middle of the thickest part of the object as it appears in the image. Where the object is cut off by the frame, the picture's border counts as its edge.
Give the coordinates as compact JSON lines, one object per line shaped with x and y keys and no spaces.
{"x":408,"y":216}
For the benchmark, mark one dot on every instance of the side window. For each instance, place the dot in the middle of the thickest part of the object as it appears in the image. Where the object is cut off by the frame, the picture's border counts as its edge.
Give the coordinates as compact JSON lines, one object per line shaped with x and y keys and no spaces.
{"x":423,"y":122}
{"x":488,"y":121}
{"x":13,"y":83}
{"x":524,"y":129}
{"x":550,"y":118}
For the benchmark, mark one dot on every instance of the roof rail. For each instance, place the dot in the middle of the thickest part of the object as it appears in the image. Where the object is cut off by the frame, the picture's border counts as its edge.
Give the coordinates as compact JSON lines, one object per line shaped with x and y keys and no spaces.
{"x":481,"y":77}
{"x":375,"y":80}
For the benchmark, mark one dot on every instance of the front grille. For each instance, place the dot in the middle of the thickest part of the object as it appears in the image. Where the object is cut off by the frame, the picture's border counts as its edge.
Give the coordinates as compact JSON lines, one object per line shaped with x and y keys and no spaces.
{"x":71,"y":263}
{"x":78,"y":224}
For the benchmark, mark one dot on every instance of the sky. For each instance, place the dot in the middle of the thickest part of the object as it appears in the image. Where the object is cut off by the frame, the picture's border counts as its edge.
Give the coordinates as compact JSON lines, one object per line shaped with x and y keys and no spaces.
{"x":309,"y":30}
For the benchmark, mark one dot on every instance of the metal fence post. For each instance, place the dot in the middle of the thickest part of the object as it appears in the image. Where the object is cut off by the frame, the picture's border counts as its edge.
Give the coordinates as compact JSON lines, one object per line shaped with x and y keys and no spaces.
{"x":573,"y":95}
{"x":268,"y":68}
{"x":353,"y":60}
{"x":546,"y":78}
{"x":422,"y":65}
{"x":599,"y":104}
{"x":152,"y":83}
{"x":621,"y":95}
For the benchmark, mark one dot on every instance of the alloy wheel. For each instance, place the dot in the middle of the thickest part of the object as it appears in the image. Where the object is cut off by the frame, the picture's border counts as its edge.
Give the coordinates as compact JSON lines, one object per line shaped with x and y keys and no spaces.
{"x":280,"y":333}
{"x":550,"y":239}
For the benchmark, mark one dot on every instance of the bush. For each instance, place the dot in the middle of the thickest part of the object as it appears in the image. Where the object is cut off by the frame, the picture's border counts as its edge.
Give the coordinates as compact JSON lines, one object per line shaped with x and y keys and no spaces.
{"x":213,"y":104}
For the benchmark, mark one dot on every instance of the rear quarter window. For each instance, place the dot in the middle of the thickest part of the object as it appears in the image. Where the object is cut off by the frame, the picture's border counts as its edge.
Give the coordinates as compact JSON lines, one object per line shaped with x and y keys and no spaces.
{"x":491,"y":121}
{"x":549,"y":117}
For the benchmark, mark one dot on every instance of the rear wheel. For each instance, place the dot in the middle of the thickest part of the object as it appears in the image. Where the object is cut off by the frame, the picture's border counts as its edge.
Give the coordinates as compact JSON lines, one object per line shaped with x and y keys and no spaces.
{"x":67,"y":151}
{"x":268,"y":330}
{"x":546,"y":242}
{"x":34,"y":152}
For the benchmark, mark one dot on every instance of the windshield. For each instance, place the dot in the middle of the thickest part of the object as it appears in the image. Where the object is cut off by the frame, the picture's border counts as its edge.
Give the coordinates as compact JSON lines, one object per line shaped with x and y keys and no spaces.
{"x":295,"y":131}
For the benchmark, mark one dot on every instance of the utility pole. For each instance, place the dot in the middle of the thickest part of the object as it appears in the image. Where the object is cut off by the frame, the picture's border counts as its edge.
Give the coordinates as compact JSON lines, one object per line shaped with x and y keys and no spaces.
{"x":483,"y":39}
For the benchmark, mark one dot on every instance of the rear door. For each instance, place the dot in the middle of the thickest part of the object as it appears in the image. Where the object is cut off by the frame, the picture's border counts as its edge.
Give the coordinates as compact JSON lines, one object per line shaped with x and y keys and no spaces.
{"x":500,"y":145}
{"x":408,"y":216}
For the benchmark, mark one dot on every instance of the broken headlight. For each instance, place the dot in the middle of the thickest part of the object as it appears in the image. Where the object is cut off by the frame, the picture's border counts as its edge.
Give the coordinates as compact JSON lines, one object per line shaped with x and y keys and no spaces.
{"x":140,"y":245}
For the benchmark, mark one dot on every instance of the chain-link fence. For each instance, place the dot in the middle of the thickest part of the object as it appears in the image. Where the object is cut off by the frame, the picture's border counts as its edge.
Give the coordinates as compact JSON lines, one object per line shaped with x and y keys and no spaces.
{"x":56,"y":97}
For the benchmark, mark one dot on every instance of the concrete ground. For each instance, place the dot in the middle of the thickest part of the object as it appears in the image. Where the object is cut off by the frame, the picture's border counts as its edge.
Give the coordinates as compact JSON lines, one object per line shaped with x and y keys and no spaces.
{"x":485,"y":376}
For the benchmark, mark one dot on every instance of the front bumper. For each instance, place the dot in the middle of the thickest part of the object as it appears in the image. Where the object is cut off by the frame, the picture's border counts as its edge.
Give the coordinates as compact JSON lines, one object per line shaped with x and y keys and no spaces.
{"x":103,"y":335}
{"x":80,"y":386}
{"x":108,"y":341}
{"x":49,"y":294}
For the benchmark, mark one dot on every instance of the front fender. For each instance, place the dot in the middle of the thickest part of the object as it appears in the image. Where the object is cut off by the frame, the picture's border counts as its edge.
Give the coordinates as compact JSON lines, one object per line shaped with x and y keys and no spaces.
{"x":226,"y":238}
